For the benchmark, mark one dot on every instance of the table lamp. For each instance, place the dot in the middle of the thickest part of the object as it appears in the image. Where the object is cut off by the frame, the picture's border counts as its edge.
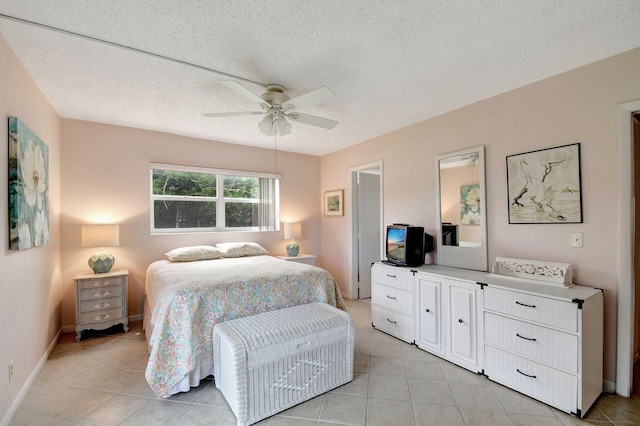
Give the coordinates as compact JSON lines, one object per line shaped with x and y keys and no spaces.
{"x":292,"y":230}
{"x":101,"y":236}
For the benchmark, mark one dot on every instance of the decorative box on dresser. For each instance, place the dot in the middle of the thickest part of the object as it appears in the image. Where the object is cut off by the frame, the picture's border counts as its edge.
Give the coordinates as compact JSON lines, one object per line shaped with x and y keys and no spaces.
{"x":544,"y":340}
{"x":101,"y":300}
{"x":393,"y":301}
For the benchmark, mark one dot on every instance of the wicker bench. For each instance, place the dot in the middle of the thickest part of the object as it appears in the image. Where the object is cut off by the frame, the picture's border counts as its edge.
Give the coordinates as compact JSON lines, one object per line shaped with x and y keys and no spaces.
{"x":266,"y":363}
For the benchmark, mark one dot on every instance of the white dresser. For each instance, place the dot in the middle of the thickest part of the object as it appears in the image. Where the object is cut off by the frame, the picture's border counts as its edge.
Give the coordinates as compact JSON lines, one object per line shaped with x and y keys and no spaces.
{"x":393,"y":301}
{"x":545,"y":341}
{"x":101,"y":300}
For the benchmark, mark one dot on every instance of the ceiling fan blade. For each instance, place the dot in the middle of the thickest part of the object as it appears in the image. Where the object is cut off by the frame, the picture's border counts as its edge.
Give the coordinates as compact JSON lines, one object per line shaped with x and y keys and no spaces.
{"x":244,"y":92}
{"x":315,"y":97}
{"x":232,"y":114}
{"x":312,"y":120}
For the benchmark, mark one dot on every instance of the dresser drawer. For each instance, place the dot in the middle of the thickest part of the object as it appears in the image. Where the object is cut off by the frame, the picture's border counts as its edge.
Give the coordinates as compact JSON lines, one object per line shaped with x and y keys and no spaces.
{"x":393,"y":277}
{"x":100,"y":293}
{"x":101,"y":282}
{"x":101,"y":316}
{"x":555,"y":313}
{"x":552,"y":347}
{"x":392,"y":298}
{"x":393,"y":323}
{"x":98,"y":305}
{"x":536,"y":380}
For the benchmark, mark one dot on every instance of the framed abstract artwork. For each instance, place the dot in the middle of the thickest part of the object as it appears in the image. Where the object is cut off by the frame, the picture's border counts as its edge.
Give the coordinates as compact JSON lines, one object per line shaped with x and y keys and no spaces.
{"x":333,"y":201}
{"x":545,"y":186}
{"x":28,"y":188}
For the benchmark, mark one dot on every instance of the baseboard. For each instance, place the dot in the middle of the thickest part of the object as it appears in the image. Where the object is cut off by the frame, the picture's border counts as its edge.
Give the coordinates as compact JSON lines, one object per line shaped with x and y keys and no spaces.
{"x":32,"y":377}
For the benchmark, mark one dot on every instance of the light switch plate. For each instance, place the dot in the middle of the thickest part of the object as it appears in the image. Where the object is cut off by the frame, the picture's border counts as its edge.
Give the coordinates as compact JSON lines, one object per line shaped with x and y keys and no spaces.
{"x":576,"y":239}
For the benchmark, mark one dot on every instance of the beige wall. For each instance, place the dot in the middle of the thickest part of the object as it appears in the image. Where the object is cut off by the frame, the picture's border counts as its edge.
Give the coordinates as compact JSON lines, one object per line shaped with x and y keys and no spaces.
{"x":577,"y":106}
{"x":30,"y":304}
{"x":105,"y":178}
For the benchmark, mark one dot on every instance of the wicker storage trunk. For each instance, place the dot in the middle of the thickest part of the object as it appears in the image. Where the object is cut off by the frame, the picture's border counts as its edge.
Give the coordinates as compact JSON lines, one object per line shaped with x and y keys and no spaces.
{"x":266,"y":363}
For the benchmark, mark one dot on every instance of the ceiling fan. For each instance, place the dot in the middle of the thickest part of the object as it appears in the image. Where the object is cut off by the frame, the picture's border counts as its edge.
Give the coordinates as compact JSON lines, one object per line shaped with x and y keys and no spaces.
{"x":277,"y":107}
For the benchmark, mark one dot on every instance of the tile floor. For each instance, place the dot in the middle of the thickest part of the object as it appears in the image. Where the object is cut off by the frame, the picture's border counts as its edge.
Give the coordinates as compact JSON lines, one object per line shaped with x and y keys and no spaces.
{"x":100,"y":381}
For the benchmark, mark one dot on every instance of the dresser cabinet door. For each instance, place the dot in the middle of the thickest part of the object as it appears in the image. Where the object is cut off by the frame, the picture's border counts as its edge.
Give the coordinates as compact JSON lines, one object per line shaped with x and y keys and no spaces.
{"x":430,"y":314}
{"x":462,"y":342}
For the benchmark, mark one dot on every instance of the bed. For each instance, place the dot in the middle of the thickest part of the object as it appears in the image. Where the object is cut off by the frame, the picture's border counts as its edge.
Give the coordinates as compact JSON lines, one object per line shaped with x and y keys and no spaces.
{"x":184,"y":300}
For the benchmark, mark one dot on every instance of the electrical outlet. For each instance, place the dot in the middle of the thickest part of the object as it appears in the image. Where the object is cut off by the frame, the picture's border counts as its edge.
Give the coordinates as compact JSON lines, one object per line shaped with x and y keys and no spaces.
{"x":10,"y":370}
{"x":576,"y":239}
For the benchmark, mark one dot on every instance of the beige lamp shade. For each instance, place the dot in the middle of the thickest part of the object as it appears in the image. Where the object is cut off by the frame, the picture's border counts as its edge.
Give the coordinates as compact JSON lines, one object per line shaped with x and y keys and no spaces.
{"x":101,"y":236}
{"x":292,"y":230}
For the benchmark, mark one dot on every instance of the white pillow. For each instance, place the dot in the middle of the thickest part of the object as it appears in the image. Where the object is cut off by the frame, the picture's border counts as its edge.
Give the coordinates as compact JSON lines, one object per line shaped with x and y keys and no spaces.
{"x":189,"y":254}
{"x":241,"y":249}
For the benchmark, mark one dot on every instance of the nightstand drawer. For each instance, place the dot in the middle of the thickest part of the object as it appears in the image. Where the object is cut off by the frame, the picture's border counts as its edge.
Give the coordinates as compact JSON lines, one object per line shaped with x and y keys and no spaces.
{"x":555,"y":313}
{"x":98,"y":305}
{"x":101,"y":316}
{"x":100,"y":293}
{"x":101,"y":282}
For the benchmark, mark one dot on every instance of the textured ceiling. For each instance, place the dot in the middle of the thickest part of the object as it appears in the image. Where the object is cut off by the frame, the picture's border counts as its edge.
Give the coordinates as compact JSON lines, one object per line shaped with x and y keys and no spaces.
{"x":391,"y":63}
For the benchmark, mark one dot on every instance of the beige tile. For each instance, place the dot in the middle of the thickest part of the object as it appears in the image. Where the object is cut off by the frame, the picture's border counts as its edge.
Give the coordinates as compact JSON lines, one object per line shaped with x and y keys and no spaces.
{"x":307,"y":410}
{"x":475,"y":396}
{"x":476,"y":417}
{"x":125,"y":382}
{"x":385,"y":412}
{"x":384,"y":387}
{"x":437,"y":415}
{"x":384,"y":350}
{"x":528,"y":420}
{"x":345,"y":409}
{"x":620,"y":410}
{"x":23,"y":418}
{"x":361,"y":364}
{"x":204,"y":415}
{"x":424,"y":370}
{"x":387,"y":366}
{"x":116,"y":410}
{"x":425,"y":392}
{"x":358,"y":386}
{"x":289,"y":421}
{"x":517,"y":403}
{"x":63,"y":401}
{"x":157,"y":412}
{"x":456,"y":374}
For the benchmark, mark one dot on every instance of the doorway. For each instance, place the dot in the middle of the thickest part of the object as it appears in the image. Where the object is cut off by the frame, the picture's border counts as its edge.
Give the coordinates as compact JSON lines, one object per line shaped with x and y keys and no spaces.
{"x":636,"y":251}
{"x":366,"y":226}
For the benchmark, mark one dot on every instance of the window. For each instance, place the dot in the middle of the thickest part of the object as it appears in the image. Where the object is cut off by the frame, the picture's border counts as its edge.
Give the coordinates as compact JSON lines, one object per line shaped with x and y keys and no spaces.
{"x":195,"y":199}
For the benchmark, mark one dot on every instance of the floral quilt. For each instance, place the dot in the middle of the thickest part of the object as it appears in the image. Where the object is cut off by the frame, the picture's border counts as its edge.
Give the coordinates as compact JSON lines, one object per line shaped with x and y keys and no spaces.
{"x":188,"y":298}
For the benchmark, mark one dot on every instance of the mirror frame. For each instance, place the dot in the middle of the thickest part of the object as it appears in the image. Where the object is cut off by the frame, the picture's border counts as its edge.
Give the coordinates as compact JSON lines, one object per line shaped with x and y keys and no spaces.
{"x":459,"y":256}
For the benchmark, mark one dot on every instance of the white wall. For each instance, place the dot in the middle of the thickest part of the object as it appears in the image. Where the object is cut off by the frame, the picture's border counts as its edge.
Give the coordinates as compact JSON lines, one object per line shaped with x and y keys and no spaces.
{"x":31,"y":288}
{"x":577,"y":106}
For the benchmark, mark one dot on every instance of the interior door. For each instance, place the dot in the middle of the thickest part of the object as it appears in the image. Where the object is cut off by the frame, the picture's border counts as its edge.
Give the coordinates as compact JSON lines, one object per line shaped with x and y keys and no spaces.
{"x":369,"y":229}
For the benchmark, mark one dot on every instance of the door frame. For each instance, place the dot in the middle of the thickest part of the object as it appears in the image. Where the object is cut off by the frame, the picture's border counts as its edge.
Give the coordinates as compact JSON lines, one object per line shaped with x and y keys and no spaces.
{"x":624,"y":344}
{"x":353,"y":259}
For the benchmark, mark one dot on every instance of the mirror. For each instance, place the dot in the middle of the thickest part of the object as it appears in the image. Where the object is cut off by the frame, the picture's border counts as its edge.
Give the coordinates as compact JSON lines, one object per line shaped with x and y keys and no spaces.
{"x":460,"y":199}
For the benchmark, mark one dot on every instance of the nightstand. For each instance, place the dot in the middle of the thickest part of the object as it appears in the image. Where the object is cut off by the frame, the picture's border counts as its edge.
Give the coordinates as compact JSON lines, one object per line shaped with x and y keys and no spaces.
{"x":101,"y":300}
{"x":309,"y":259}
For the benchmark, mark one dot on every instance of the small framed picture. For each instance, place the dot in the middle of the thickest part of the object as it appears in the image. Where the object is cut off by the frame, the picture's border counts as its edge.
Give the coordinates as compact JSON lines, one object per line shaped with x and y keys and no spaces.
{"x":333,"y":203}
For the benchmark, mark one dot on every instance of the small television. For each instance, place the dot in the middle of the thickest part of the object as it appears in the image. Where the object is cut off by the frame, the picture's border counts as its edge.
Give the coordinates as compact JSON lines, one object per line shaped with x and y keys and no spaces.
{"x":406,"y":245}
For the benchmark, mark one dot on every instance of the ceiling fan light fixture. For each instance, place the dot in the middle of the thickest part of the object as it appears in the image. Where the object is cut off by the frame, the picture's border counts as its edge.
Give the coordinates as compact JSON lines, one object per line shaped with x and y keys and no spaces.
{"x":283,"y":126}
{"x":266,"y":125}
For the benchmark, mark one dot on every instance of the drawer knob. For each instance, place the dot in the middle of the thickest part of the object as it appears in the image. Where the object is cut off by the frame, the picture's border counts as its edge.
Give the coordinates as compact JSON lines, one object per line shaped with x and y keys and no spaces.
{"x":427,"y":310}
{"x":460,"y":321}
{"x":101,"y":283}
{"x":102,"y":305}
{"x":98,"y":294}
{"x":103,"y":317}
{"x":392,"y":322}
{"x":526,"y":338}
{"x":525,"y":305}
{"x":391,"y":297}
{"x":524,"y":374}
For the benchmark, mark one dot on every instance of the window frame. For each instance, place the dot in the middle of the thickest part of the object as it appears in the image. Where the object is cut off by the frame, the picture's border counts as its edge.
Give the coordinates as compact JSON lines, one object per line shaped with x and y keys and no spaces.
{"x":219,"y":199}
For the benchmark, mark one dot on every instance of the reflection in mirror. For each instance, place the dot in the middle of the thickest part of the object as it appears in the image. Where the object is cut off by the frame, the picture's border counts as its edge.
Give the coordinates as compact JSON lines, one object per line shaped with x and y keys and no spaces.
{"x":462,"y":234}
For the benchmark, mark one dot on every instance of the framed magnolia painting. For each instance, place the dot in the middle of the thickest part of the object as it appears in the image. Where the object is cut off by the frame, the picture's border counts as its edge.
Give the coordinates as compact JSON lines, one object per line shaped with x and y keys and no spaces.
{"x":545,"y":186}
{"x":28,"y":188}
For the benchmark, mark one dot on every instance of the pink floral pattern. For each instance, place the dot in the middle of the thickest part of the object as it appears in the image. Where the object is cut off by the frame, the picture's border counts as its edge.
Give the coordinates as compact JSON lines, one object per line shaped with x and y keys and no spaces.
{"x":188,"y":298}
